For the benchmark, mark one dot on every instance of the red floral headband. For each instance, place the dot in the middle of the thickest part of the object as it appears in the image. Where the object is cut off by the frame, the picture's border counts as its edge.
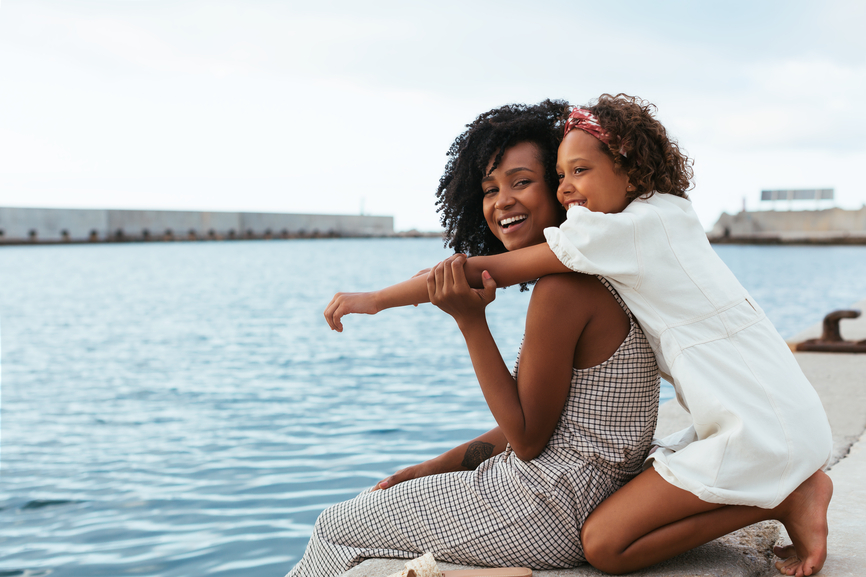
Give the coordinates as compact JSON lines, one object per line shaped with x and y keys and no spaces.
{"x":584,"y":120}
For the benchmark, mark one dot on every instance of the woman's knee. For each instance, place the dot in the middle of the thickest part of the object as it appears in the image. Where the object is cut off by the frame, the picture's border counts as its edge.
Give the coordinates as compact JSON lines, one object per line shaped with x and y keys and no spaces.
{"x":329,"y":521}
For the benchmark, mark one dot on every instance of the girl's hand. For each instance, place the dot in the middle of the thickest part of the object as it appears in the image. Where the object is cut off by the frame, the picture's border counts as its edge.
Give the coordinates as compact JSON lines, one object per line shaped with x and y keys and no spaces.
{"x":448,"y":290}
{"x":348,"y":303}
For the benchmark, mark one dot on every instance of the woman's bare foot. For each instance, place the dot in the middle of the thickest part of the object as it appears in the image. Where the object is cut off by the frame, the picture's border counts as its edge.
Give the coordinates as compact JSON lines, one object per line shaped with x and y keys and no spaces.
{"x":805,"y":519}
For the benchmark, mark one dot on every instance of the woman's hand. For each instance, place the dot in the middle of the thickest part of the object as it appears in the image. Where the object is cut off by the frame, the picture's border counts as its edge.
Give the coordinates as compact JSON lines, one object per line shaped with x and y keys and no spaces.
{"x":348,"y":303}
{"x":448,"y":290}
{"x":414,"y":472}
{"x":465,"y":457}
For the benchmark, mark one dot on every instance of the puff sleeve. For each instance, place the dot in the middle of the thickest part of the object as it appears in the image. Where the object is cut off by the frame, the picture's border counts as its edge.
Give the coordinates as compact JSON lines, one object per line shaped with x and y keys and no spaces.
{"x":598,"y":243}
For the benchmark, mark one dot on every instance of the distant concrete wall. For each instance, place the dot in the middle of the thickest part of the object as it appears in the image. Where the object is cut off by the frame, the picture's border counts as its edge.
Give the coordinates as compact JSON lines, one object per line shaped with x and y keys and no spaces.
{"x":343,"y":225}
{"x":78,"y":225}
{"x":791,"y":225}
{"x":49,"y":224}
{"x":180,"y":224}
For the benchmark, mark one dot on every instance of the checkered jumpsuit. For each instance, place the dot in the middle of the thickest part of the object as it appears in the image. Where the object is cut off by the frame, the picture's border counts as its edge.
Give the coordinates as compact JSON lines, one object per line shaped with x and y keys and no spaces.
{"x":510,"y":512}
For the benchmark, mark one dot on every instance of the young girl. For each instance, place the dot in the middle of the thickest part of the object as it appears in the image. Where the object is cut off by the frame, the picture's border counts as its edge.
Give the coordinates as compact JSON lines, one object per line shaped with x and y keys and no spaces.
{"x":759,"y":436}
{"x":576,"y":418}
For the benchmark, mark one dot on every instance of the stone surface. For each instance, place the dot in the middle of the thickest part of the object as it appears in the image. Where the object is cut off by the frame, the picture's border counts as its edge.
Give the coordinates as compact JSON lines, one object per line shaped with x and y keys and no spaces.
{"x":847,"y":515}
{"x":840,"y":380}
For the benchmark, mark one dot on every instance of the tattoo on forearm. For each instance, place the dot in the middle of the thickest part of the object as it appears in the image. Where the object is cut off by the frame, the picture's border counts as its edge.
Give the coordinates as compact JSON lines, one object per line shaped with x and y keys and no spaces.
{"x":476,"y":453}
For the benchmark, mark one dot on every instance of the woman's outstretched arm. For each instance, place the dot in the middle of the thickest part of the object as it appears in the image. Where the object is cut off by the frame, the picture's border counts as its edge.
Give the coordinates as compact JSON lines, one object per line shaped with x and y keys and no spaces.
{"x":507,"y":269}
{"x":527,"y":410}
{"x":466,"y":457}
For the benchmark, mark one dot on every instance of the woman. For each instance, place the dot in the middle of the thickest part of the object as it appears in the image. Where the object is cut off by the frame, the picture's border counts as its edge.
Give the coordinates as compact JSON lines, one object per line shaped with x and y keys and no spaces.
{"x":576,"y":418}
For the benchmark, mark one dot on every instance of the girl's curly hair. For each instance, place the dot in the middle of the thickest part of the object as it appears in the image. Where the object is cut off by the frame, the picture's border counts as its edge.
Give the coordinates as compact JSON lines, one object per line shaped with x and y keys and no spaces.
{"x":459,"y":196}
{"x":652,"y":160}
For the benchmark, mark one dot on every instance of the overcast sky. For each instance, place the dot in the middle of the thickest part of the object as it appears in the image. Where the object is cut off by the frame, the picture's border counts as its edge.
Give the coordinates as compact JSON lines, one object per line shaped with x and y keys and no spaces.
{"x":339,"y":107}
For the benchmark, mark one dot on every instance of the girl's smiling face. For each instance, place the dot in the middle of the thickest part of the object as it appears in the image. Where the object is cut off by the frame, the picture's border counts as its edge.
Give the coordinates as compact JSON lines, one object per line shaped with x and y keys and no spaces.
{"x":588,"y":176}
{"x":518,"y":205}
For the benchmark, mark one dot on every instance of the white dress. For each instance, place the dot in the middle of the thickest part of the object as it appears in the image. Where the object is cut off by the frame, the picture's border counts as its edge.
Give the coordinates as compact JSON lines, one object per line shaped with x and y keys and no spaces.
{"x":759,"y":429}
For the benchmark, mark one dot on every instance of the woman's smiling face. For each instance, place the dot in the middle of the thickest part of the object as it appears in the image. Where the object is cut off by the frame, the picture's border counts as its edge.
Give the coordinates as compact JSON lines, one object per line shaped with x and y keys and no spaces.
{"x":518,"y":205}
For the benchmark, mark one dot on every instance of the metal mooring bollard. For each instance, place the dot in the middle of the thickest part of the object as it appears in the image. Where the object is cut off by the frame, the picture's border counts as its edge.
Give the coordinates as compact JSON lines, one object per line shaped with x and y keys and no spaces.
{"x":831,"y":339}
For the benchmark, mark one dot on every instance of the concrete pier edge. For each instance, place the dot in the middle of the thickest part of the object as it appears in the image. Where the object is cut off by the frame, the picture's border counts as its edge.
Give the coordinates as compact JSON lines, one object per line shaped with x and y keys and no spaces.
{"x":840,"y":380}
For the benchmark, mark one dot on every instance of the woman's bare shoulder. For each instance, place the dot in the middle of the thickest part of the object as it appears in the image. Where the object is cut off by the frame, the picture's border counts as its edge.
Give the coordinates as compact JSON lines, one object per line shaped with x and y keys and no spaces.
{"x":577,"y":305}
{"x":562,"y":286}
{"x":569,"y":298}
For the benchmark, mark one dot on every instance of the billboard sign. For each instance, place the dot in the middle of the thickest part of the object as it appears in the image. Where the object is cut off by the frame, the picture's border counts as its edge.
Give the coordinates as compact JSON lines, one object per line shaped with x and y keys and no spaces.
{"x":802,"y":194}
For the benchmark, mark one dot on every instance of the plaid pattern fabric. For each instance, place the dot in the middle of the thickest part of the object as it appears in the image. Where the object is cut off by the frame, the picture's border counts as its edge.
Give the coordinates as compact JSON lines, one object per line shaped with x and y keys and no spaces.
{"x":510,"y":512}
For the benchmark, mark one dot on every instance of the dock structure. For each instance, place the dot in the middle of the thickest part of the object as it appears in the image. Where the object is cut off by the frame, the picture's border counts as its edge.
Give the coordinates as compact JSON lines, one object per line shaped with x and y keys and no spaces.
{"x":59,"y":225}
{"x":828,"y":226}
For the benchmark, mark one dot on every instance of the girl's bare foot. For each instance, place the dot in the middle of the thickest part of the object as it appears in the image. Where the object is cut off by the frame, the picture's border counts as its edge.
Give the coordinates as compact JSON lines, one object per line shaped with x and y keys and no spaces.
{"x":805,"y":519}
{"x":787,"y":558}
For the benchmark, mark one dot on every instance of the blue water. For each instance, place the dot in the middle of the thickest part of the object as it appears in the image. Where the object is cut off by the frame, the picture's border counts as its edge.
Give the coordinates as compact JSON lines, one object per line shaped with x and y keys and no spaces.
{"x":181,"y":409}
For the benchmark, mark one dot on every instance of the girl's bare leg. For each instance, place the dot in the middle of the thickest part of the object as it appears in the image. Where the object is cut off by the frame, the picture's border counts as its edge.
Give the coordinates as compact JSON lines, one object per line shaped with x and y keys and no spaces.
{"x":650,"y":520}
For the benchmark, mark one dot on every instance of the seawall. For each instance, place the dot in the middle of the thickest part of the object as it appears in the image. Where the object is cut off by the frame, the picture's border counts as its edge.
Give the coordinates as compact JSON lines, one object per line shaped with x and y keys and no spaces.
{"x":58,"y":225}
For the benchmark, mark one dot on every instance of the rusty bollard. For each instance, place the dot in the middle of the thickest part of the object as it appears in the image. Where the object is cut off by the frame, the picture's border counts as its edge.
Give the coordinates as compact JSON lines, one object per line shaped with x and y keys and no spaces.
{"x":831,"y":340}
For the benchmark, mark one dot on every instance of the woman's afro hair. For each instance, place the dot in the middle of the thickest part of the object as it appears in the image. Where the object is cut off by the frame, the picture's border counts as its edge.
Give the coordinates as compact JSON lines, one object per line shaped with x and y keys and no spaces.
{"x":652,"y":160}
{"x":459,"y":196}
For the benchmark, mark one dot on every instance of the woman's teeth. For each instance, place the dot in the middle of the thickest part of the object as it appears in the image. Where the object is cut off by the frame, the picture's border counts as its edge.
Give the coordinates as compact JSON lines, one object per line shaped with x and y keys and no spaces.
{"x":504,"y":223}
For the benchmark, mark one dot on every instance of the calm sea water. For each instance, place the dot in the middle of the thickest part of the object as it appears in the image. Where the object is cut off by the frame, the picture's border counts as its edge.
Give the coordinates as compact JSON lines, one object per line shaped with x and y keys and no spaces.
{"x":182,"y":409}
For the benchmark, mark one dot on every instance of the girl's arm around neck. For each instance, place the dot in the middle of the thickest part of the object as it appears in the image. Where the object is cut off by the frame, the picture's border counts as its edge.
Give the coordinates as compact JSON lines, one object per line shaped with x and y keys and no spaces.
{"x":510,"y":268}
{"x":517,"y":266}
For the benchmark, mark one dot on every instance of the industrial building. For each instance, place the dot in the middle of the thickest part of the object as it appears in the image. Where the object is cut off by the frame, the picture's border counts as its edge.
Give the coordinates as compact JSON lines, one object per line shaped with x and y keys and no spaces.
{"x":780,"y":223}
{"x":58,"y":225}
{"x":828,"y":226}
